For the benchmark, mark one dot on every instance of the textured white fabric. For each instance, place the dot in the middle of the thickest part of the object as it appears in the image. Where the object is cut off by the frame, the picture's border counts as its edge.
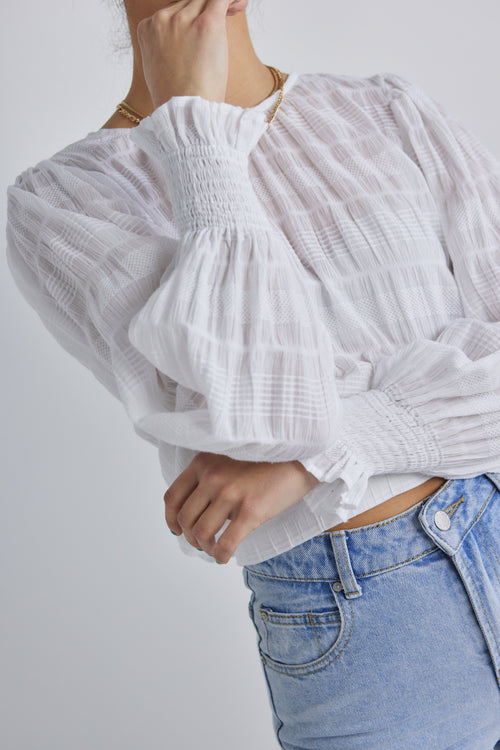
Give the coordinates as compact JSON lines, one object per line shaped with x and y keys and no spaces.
{"x":326,"y":290}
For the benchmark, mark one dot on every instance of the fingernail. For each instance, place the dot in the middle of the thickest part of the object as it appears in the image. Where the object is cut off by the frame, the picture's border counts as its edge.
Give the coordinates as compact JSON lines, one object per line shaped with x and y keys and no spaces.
{"x":199,"y":549}
{"x":173,"y":532}
{"x":218,"y":563}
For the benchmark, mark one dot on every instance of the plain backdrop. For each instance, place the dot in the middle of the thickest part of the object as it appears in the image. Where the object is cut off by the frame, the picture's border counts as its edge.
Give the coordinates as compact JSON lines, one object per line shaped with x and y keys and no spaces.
{"x":111,"y":638}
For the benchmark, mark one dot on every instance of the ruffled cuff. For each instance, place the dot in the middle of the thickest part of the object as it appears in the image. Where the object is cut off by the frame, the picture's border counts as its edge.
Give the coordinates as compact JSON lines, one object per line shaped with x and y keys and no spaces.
{"x":379,"y":436}
{"x":204,"y":146}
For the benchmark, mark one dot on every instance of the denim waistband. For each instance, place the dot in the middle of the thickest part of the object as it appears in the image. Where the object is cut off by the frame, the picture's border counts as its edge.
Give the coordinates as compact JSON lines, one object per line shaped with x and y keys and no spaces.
{"x":346,"y":556}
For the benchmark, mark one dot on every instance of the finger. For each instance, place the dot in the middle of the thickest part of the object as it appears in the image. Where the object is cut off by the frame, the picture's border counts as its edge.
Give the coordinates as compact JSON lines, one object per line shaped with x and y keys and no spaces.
{"x":210,"y":522}
{"x":172,"y":8}
{"x":178,"y":492}
{"x":217,"y":7}
{"x":189,"y":8}
{"x":239,"y":528}
{"x":191,"y":511}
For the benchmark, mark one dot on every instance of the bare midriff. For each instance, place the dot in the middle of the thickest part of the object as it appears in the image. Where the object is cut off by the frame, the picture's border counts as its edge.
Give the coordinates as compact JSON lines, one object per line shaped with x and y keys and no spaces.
{"x":394,"y":505}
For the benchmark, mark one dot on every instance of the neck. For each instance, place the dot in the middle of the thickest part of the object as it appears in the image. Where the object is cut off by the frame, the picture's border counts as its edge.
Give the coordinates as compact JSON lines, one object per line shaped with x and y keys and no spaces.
{"x":249,"y":80}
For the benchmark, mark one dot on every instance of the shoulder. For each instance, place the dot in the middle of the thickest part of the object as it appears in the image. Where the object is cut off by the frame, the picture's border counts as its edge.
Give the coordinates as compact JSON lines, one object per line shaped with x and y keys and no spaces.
{"x":356,"y":105}
{"x":94,"y":168}
{"x":344,"y":83}
{"x":104,"y":177}
{"x":370,"y":92}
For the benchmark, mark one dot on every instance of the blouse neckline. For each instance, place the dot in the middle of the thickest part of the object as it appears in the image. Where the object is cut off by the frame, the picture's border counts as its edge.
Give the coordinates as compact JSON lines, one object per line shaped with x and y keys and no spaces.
{"x":267,"y":102}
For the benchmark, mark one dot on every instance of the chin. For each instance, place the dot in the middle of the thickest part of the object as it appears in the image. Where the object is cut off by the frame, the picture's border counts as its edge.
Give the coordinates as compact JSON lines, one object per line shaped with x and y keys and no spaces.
{"x":236,"y":7}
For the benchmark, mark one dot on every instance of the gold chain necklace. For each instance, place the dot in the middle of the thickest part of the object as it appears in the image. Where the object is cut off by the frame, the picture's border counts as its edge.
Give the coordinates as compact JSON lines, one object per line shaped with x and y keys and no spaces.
{"x":127,"y":111}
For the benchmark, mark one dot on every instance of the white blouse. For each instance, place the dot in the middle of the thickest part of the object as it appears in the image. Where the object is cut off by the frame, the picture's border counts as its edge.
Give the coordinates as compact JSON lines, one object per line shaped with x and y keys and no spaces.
{"x":325,"y":290}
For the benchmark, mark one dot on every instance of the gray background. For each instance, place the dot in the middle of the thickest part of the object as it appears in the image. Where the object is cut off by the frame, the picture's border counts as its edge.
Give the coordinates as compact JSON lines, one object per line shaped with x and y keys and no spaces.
{"x":111,"y":638}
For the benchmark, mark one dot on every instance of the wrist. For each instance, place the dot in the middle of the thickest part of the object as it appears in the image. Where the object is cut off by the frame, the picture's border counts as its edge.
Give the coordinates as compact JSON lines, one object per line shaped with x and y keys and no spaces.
{"x":204,"y":147}
{"x":311,"y":479}
{"x":210,"y":185}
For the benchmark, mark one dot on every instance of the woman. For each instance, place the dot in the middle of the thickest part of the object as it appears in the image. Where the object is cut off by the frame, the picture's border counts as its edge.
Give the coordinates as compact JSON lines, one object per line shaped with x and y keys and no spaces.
{"x":290,"y":281}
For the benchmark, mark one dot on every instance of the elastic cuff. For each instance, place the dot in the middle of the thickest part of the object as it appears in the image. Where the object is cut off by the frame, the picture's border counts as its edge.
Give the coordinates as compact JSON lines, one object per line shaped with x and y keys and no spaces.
{"x":209,"y":185}
{"x":204,"y":147}
{"x":378,"y":436}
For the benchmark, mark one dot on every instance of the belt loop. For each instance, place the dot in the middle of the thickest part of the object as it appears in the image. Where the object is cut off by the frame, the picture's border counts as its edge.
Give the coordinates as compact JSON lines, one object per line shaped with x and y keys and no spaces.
{"x":351,"y":587}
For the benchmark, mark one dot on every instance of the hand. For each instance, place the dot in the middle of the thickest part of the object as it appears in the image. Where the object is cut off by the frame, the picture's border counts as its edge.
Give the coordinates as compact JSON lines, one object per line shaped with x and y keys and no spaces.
{"x":215,"y":488}
{"x":184,"y":50}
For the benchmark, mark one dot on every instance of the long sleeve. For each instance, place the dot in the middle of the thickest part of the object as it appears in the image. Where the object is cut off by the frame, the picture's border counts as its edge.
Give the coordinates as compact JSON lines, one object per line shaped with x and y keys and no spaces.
{"x":208,"y":328}
{"x":434,"y":405}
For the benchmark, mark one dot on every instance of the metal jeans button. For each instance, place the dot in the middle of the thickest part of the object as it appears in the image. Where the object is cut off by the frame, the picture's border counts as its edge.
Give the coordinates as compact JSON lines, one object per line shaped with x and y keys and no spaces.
{"x":442,"y":520}
{"x":337,"y":586}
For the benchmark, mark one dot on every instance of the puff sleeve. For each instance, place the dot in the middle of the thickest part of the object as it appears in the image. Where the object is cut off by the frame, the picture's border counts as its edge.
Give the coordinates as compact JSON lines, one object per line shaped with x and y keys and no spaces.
{"x":213,"y":304}
{"x":434,"y":405}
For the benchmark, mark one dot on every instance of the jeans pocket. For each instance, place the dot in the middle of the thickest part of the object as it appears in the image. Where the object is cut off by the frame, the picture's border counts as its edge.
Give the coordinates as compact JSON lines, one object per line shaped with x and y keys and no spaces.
{"x":298,"y":633}
{"x":298,"y":638}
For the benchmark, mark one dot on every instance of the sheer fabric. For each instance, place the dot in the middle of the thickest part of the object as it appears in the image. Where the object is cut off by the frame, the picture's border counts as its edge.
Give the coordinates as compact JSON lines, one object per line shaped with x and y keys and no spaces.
{"x":323,"y":291}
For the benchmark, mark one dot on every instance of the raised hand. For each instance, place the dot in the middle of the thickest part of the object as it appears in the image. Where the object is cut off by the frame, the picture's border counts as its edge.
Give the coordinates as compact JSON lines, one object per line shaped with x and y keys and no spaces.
{"x":184,"y":50}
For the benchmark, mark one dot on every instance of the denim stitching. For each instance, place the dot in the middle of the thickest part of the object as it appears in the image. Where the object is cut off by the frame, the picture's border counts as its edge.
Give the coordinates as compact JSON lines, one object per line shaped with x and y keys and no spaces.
{"x":492,"y":547}
{"x":484,"y":609}
{"x":275,"y":616}
{"x":466,"y":531}
{"x":487,"y":544}
{"x":347,"y":564}
{"x":380,"y":523}
{"x":363,"y":575}
{"x":263,"y":620}
{"x":397,"y":565}
{"x":328,"y":661}
{"x":400,"y":515}
{"x":454,"y":506}
{"x":315,"y":632}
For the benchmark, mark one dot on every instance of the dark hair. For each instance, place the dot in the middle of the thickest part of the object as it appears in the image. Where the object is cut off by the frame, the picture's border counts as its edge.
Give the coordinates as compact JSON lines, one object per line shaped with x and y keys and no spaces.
{"x":119,"y":37}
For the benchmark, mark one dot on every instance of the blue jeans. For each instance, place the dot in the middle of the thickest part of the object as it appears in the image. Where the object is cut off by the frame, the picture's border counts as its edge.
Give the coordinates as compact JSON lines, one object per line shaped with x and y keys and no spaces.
{"x":388,"y":635}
